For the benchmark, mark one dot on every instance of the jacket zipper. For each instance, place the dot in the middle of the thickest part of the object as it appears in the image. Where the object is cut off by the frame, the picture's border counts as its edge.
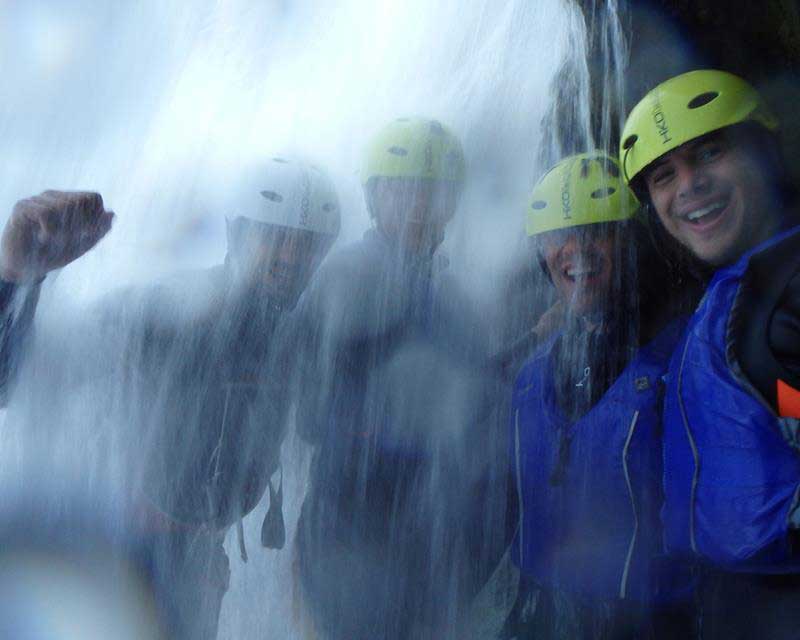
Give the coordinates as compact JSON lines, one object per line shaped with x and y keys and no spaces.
{"x":695,"y":475}
{"x":623,"y":587}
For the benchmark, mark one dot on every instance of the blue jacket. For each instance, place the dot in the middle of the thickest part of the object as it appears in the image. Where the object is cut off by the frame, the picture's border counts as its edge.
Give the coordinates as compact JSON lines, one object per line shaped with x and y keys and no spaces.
{"x":597,"y":532}
{"x":731,"y":479}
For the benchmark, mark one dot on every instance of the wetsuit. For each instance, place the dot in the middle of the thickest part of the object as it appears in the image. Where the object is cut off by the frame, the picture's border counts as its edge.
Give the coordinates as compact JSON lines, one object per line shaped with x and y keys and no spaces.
{"x":17,"y":309}
{"x":732,"y":460}
{"x":198,"y":423}
{"x":399,"y":510}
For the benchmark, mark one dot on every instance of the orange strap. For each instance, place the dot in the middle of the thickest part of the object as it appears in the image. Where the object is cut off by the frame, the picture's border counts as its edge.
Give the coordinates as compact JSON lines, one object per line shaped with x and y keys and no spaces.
{"x":788,"y":401}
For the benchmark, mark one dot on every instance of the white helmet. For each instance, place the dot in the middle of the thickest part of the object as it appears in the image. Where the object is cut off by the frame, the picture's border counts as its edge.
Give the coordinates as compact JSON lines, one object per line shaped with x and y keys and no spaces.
{"x":289,"y":194}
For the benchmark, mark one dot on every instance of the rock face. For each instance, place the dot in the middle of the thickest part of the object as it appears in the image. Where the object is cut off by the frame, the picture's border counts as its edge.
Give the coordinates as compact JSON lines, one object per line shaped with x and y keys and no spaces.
{"x":758,"y":40}
{"x":750,"y":38}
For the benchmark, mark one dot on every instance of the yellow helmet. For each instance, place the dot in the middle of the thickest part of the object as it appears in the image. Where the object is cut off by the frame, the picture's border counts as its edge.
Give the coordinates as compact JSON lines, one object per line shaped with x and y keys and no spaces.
{"x":415,"y":148}
{"x":686,"y":107}
{"x":582,"y":189}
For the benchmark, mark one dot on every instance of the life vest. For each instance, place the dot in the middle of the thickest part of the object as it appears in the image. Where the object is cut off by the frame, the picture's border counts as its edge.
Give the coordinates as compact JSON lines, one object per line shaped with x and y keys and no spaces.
{"x":731,"y":479}
{"x":596,"y":532}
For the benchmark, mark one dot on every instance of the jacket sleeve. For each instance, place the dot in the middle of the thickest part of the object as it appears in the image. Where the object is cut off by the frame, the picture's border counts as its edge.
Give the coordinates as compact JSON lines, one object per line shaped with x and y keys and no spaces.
{"x":307,"y":365}
{"x":18,"y":304}
{"x":17,"y":309}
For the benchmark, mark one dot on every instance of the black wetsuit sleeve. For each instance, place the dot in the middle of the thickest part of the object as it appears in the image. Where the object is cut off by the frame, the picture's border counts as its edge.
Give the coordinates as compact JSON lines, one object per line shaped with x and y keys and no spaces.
{"x":17,"y":309}
{"x":784,"y":329}
{"x":306,"y":381}
{"x":764,"y":335}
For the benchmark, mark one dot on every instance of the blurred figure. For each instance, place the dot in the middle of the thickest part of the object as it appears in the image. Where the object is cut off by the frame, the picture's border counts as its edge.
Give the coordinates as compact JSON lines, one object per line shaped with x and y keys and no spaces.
{"x":195,"y":380}
{"x":391,"y":535}
{"x":585,"y":432}
{"x":67,"y":573}
{"x":702,"y":151}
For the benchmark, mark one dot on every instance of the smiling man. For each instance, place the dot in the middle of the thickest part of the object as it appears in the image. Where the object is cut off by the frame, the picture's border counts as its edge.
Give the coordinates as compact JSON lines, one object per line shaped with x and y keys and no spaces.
{"x":714,"y":219}
{"x":701,"y":149}
{"x":585,"y":434}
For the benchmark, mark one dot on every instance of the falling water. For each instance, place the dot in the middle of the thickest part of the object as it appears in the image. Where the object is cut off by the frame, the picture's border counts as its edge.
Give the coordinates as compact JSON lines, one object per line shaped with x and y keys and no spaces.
{"x":158,"y":107}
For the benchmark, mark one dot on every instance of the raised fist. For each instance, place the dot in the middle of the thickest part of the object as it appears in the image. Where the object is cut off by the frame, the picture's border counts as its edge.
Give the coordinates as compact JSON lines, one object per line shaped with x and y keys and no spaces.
{"x":49,"y":231}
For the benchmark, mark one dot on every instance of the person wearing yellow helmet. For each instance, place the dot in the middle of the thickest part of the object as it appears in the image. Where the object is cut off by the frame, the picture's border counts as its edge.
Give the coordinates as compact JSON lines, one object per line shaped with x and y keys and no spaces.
{"x":702,"y":150}
{"x":570,"y":214}
{"x":413,"y":175}
{"x":585,"y":427}
{"x":392,"y":389}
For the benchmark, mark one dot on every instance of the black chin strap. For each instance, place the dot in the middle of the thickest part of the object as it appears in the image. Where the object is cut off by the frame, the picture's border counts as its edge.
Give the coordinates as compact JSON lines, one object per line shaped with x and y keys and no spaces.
{"x":627,"y":145}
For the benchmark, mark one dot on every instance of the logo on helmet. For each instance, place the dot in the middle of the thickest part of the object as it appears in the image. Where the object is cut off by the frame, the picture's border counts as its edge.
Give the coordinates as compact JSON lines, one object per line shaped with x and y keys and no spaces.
{"x":660,"y":121}
{"x":566,"y":198}
{"x":428,"y":158}
{"x":305,"y":201}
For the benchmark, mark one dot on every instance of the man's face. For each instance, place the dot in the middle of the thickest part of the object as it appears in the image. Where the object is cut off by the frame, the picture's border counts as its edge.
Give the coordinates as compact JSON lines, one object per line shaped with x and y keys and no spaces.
{"x":414,"y":212}
{"x":277,"y":261}
{"x":714,"y":197}
{"x":581,"y":263}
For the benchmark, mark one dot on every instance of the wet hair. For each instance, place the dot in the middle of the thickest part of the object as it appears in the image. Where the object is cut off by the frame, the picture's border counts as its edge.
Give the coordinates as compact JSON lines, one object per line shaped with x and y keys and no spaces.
{"x":650,"y":289}
{"x":670,"y":280}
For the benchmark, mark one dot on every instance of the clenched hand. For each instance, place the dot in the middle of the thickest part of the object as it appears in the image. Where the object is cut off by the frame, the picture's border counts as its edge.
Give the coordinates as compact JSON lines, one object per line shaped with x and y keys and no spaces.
{"x":49,"y":231}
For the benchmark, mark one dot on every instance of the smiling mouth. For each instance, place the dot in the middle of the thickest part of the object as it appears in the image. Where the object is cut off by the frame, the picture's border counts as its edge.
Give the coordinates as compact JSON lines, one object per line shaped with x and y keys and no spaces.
{"x":573,"y":274}
{"x":705,"y":215}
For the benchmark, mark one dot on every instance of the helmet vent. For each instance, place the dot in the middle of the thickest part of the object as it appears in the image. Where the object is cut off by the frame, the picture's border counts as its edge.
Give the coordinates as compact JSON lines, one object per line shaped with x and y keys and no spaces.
{"x":610,"y":168}
{"x":538,"y":204}
{"x":603,"y":193}
{"x":630,"y":141}
{"x":702,"y":100}
{"x":398,"y":151}
{"x":272,"y":195}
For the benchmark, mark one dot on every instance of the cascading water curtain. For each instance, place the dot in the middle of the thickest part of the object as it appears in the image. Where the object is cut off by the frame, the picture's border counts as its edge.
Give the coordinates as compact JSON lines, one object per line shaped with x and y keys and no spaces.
{"x":157,"y":106}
